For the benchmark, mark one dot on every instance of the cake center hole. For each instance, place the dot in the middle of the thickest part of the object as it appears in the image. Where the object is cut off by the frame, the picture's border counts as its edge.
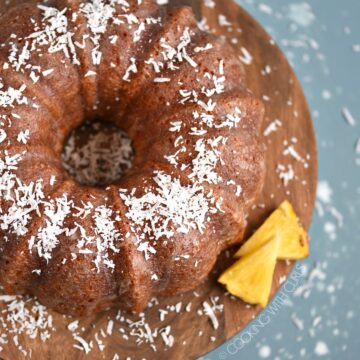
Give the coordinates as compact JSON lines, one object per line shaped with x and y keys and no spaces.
{"x":97,"y":153}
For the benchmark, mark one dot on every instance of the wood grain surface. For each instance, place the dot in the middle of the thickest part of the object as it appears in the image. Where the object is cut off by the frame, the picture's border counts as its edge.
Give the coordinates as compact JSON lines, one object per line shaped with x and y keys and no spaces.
{"x":271,"y":78}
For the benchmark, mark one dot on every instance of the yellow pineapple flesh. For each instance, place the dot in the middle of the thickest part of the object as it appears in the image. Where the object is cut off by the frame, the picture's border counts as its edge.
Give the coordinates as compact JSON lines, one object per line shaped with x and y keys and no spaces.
{"x":250,"y":278}
{"x":280,"y":237}
{"x":294,"y":239}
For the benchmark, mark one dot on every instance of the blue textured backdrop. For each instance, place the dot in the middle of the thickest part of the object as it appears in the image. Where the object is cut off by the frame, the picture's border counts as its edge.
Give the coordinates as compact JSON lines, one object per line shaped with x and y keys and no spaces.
{"x":322,"y":317}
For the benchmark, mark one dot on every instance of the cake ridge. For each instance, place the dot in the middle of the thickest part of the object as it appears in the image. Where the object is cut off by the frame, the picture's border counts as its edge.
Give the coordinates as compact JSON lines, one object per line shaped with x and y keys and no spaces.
{"x":200,"y":164}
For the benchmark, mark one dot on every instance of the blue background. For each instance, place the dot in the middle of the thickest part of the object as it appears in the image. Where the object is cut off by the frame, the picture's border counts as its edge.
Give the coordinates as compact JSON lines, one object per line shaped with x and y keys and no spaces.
{"x":319,"y":39}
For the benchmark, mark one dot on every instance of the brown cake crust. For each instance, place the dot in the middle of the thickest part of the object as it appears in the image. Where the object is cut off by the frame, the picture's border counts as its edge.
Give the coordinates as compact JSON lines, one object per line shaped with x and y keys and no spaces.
{"x":81,"y":249}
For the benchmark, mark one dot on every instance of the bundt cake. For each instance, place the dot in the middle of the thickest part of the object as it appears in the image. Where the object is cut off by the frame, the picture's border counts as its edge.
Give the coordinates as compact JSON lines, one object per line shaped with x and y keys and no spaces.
{"x":180,"y":94}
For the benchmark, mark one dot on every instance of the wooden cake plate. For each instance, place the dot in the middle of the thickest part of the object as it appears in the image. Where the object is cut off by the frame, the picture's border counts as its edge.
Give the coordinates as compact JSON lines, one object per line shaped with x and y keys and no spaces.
{"x":291,"y":149}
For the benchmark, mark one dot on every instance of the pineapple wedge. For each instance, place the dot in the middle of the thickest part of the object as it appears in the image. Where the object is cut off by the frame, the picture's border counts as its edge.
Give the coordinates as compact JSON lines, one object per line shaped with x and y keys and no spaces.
{"x":283,"y":221}
{"x":250,"y":278}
